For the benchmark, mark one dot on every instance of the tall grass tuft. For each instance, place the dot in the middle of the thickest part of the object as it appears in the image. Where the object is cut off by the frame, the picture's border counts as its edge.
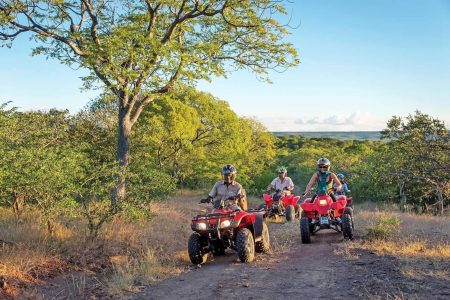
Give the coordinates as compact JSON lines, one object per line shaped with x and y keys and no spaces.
{"x":384,"y":227}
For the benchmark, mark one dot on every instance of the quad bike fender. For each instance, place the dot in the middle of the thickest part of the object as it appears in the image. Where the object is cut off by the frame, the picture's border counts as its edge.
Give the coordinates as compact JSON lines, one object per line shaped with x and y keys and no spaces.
{"x":243,"y":219}
{"x":258,"y":227}
{"x":308,"y":208}
{"x":321,"y":209}
{"x":339,"y":205}
{"x":290,"y":200}
{"x":268,"y":199}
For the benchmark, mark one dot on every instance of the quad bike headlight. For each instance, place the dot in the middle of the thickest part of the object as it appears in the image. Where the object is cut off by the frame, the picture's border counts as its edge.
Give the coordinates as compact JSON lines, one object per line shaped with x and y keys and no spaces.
{"x":323,"y":202}
{"x":200,"y":226}
{"x":225,"y":223}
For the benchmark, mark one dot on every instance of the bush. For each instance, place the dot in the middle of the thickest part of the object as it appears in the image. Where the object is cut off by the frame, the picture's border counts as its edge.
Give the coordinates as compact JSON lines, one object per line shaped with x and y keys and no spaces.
{"x":384,"y":227}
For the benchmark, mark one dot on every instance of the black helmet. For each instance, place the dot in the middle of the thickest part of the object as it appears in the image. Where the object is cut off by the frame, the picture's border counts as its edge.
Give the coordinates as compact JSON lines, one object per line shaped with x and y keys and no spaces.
{"x":282,"y":170}
{"x":323,"y":162}
{"x":228,"y":169}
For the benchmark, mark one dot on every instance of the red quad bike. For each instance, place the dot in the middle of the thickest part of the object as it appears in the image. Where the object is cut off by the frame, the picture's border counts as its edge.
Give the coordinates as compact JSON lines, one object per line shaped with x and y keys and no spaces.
{"x":323,"y":213}
{"x":281,"y":204}
{"x":225,"y":227}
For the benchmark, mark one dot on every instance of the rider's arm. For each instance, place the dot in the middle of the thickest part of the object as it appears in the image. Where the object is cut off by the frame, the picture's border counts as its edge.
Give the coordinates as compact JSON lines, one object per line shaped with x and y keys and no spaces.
{"x":337,"y":182}
{"x":213,"y":192}
{"x":272,"y":185}
{"x":240,"y":192}
{"x":310,"y":183}
{"x":291,"y":185}
{"x":345,"y":188}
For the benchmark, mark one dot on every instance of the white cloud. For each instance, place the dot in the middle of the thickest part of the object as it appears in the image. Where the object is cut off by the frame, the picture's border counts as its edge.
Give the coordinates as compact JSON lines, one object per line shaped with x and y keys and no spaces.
{"x":356,"y":121}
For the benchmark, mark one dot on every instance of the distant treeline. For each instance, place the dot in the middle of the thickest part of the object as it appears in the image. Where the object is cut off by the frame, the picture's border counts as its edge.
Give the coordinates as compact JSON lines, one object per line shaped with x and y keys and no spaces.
{"x":340,"y":135}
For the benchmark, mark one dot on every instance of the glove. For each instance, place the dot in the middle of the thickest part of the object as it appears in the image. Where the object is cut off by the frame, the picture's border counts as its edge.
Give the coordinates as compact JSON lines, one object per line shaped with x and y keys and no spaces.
{"x":206,"y":200}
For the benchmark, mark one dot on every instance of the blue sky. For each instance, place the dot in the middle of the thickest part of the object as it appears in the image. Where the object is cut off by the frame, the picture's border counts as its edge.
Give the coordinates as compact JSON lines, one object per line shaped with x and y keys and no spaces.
{"x":363,"y":61}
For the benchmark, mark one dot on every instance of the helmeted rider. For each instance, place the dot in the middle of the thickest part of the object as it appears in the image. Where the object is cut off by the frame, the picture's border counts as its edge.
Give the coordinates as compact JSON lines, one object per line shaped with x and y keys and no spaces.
{"x":344,"y":189}
{"x":324,"y":178}
{"x":282,"y":182}
{"x":227,"y":189}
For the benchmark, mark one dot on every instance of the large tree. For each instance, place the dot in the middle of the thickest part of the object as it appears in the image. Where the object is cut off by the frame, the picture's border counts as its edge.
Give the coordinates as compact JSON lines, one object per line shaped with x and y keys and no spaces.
{"x":418,"y":155}
{"x":139,"y":50}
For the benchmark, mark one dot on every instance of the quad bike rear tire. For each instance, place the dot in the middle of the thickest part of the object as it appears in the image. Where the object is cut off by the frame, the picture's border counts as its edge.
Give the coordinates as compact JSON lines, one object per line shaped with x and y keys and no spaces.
{"x":196,"y":255}
{"x":264,"y":244}
{"x":347,"y":226}
{"x":290,"y":213}
{"x":305,"y":232}
{"x":245,"y":245}
{"x":348,"y":210}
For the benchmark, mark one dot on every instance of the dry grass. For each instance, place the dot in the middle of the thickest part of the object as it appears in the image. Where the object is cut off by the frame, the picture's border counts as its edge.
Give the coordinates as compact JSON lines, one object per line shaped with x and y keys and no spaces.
{"x":414,"y":258}
{"x":418,"y":236}
{"x":127,"y":254}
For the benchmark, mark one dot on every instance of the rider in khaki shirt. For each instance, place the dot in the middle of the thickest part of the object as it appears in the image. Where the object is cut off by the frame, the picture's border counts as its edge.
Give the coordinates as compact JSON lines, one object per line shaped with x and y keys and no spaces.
{"x":226,"y":188}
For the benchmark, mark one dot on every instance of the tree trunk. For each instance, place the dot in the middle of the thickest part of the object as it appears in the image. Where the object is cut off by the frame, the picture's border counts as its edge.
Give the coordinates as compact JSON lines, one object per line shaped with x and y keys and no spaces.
{"x":123,"y":151}
{"x":440,"y":204}
{"x":18,"y":203}
{"x":402,"y":197}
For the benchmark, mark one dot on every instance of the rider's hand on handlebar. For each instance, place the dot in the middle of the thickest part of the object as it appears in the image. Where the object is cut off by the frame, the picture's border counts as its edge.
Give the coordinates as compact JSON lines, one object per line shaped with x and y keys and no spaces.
{"x":206,"y":200}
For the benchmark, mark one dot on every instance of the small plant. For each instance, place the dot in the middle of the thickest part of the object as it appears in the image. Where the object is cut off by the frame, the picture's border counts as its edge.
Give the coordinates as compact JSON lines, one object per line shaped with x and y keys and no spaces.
{"x":384,"y":228}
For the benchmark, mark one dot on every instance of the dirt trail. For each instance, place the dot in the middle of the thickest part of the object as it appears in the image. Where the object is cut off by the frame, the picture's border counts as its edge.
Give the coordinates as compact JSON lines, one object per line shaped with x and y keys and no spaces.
{"x":289,"y":275}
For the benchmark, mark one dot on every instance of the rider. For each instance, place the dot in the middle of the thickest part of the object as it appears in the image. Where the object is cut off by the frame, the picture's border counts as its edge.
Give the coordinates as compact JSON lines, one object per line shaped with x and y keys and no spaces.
{"x":325,"y":179}
{"x":344,"y":189}
{"x":227,"y":189}
{"x":282,"y":182}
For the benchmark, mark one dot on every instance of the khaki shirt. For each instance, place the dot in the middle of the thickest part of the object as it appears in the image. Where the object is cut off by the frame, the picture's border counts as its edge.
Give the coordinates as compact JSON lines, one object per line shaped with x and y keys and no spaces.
{"x":278,"y":185}
{"x":223,"y":191}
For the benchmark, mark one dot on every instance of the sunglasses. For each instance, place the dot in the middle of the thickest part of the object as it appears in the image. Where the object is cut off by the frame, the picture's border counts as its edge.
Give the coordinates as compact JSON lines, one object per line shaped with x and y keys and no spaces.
{"x":323,"y":167}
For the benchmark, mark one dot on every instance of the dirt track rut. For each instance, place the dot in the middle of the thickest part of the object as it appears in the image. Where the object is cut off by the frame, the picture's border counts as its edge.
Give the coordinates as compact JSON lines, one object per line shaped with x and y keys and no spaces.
{"x":305,"y":271}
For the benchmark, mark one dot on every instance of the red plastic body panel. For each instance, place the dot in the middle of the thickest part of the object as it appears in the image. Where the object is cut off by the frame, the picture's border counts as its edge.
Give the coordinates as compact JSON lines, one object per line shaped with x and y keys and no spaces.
{"x":323,"y":209}
{"x":242,"y":218}
{"x":287,"y":200}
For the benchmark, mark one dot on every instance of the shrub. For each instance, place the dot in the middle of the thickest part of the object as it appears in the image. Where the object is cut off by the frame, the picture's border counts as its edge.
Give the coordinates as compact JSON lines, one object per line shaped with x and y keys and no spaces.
{"x":384,"y":227}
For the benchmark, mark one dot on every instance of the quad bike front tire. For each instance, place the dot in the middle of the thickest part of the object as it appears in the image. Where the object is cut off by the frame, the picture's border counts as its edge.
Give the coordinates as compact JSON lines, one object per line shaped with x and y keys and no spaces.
{"x":196,"y":255}
{"x":290,"y":213}
{"x":305,"y":232}
{"x":349,"y":210}
{"x":347,"y":226}
{"x":264,"y":244}
{"x":245,"y":245}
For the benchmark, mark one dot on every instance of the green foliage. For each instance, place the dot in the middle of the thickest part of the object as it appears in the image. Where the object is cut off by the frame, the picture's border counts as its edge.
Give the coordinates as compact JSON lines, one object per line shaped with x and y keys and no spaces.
{"x":38,"y":160}
{"x":415,"y":161}
{"x":135,"y":212}
{"x":141,"y":50}
{"x":147,"y":184}
{"x":384,"y":227}
{"x":190,"y":135}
